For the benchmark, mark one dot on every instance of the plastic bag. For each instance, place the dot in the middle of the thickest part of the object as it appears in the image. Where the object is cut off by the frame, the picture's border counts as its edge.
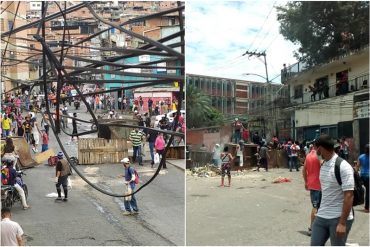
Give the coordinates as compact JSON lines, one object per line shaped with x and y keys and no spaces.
{"x":69,"y":183}
{"x":156,"y":158}
{"x":128,"y":191}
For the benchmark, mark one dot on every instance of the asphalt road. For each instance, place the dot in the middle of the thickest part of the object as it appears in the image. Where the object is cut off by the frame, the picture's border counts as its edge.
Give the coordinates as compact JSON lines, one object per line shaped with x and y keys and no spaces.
{"x":255,"y":211}
{"x":92,"y":218}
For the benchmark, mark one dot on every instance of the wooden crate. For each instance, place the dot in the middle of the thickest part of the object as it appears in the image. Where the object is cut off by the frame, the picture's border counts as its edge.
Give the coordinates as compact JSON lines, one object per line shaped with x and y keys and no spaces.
{"x":101,"y":151}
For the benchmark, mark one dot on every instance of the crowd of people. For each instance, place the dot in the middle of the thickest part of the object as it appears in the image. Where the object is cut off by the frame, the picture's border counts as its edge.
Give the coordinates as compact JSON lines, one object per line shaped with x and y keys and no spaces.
{"x":331,"y":216}
{"x":131,"y":104}
{"x":157,"y":140}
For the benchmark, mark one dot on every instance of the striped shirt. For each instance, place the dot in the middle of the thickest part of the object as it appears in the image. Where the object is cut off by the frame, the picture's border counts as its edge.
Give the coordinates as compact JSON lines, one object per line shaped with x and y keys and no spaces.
{"x":135,"y":138}
{"x":332,"y":193}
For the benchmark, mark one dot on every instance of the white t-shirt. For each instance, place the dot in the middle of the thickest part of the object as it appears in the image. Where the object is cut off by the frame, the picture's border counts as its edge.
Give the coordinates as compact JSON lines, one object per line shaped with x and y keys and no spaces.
{"x":295,"y":149}
{"x":332,"y":193}
{"x":9,"y":232}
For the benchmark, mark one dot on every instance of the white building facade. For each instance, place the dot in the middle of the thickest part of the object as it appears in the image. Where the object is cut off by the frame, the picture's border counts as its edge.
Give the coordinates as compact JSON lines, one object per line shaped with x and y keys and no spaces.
{"x":340,"y":106}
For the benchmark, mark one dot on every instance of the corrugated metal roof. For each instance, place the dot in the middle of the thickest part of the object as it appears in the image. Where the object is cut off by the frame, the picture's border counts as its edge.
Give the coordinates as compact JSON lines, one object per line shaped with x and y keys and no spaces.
{"x":156,"y":89}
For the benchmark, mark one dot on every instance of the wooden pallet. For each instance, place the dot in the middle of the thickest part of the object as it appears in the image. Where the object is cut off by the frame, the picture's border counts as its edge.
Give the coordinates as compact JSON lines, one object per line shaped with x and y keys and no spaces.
{"x":101,"y":151}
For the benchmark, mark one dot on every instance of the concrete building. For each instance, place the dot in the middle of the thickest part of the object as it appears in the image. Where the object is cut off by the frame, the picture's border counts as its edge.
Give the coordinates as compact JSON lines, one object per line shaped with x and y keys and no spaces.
{"x":80,"y":25}
{"x":248,"y":100}
{"x":220,"y":90}
{"x":341,"y":105}
{"x":12,"y":68}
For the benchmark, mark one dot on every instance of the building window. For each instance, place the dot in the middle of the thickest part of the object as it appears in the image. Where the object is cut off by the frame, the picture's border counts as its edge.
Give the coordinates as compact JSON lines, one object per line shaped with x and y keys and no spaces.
{"x":332,"y":131}
{"x":298,"y":91}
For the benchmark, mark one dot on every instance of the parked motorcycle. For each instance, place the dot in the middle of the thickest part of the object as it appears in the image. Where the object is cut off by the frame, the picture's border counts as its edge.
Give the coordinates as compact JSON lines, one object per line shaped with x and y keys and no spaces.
{"x":9,"y":194}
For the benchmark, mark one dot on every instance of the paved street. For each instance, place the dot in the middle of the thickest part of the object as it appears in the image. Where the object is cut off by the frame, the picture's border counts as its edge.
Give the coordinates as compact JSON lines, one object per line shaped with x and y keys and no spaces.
{"x":255,"y":211}
{"x":92,"y":218}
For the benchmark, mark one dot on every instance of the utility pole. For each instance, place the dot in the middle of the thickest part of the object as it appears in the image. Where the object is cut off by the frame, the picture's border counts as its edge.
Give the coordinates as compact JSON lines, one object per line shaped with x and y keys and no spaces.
{"x":258,"y":54}
{"x":269,"y":88}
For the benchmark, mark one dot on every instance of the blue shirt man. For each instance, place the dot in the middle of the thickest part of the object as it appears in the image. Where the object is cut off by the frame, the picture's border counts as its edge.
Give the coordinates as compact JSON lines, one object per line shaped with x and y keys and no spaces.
{"x":130,"y":205}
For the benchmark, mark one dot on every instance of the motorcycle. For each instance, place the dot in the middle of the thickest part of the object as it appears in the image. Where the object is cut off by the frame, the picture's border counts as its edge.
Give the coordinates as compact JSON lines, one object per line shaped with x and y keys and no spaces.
{"x":10,"y":195}
{"x":76,"y":104}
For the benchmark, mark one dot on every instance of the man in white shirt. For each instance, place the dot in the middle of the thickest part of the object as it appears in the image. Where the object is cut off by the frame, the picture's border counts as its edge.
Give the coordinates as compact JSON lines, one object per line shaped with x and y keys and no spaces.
{"x":335,"y":217}
{"x":11,"y":231}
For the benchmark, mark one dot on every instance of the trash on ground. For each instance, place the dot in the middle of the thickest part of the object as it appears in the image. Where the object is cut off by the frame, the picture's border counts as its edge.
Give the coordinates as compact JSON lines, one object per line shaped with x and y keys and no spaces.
{"x":54,"y":194}
{"x":281,"y":180}
{"x":205,"y":171}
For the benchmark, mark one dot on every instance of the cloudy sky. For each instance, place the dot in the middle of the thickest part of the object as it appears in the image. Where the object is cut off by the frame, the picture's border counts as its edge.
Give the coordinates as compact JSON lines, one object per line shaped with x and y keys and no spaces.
{"x":218,"y":33}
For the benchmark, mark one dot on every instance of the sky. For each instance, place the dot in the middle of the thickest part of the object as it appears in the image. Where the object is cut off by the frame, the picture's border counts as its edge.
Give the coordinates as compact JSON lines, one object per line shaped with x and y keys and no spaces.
{"x":218,"y":33}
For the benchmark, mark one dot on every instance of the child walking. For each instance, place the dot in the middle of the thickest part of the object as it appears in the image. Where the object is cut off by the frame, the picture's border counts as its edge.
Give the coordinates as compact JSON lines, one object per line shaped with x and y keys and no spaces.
{"x":45,"y":141}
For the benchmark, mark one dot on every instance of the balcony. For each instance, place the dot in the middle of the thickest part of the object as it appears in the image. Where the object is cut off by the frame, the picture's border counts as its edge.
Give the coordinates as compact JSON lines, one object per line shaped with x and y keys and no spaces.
{"x":299,"y":67}
{"x":343,"y":88}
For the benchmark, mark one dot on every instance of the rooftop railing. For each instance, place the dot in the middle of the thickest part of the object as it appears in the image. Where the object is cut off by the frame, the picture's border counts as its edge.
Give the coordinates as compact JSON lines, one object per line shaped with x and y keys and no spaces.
{"x":300,"y":67}
{"x":333,"y":90}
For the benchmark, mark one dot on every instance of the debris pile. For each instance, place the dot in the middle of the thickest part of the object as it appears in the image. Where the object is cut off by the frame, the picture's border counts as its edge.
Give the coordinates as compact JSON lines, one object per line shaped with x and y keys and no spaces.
{"x":205,"y":171}
{"x":281,"y":180}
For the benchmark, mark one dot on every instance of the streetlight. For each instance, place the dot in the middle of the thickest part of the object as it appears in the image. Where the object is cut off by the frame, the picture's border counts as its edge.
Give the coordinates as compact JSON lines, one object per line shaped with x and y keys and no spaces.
{"x":258,"y":76}
{"x":268,"y":81}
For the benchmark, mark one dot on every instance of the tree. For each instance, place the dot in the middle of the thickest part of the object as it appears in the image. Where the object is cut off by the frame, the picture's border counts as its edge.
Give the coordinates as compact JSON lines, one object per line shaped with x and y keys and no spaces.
{"x":199,"y":112}
{"x":324,"y":29}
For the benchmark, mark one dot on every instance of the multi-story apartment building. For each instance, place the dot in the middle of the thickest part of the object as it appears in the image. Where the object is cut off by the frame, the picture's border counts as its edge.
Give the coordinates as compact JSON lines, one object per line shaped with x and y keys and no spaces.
{"x":248,"y":100}
{"x":79,"y":25}
{"x":11,"y":68}
{"x":220,"y":90}
{"x":332,"y":98}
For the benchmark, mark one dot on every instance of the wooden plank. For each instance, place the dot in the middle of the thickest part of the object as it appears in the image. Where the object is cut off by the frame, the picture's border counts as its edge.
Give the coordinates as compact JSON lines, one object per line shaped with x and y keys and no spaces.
{"x":44,"y":156}
{"x":99,"y":150}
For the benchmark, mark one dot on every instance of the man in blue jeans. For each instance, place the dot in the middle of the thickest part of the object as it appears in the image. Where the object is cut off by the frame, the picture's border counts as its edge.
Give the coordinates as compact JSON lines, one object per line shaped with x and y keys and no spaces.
{"x":136,"y":137}
{"x":335,"y":216}
{"x":130,"y":205}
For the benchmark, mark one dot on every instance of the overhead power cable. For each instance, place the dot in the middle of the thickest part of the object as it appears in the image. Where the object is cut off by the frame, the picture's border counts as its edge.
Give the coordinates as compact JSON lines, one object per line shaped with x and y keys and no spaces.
{"x":11,"y":29}
{"x":75,"y":74}
{"x":255,"y":37}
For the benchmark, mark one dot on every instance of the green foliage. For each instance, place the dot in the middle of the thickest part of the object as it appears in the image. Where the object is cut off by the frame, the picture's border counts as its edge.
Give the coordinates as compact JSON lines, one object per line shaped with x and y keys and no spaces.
{"x":318,"y":27}
{"x":199,"y":112}
{"x":215,"y":118}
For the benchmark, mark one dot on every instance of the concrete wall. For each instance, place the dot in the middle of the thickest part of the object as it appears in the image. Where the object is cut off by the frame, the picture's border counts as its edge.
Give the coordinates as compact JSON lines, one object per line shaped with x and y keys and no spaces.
{"x":326,"y":112}
{"x":209,"y":139}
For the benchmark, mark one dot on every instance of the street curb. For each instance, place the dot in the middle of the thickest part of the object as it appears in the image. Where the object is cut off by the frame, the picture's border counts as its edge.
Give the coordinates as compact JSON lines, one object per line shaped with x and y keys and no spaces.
{"x":178,"y":167}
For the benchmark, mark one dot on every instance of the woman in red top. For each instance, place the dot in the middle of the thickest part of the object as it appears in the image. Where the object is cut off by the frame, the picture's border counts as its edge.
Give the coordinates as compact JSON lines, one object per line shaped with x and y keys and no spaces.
{"x":159,"y":146}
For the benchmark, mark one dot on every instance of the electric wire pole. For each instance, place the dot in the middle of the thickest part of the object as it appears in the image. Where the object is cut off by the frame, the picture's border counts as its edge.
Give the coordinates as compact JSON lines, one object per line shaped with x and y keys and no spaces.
{"x":269,"y":87}
{"x":258,"y":54}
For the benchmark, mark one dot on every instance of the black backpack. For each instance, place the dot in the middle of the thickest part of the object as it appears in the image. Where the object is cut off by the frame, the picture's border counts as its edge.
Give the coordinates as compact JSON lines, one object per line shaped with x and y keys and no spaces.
{"x":358,"y":191}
